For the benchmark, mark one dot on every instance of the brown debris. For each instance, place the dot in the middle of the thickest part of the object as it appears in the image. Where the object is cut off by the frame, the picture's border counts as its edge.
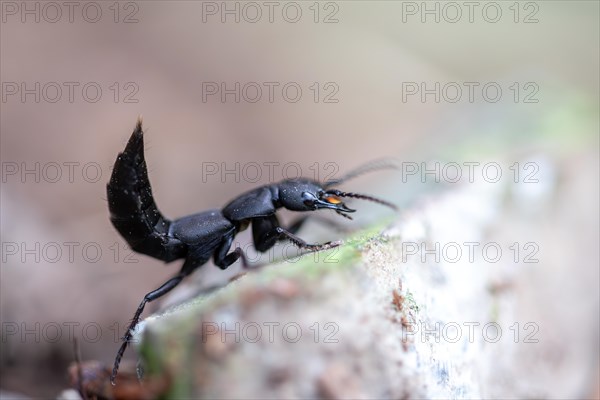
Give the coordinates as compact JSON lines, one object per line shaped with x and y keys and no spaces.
{"x":95,"y":382}
{"x":397,"y":300}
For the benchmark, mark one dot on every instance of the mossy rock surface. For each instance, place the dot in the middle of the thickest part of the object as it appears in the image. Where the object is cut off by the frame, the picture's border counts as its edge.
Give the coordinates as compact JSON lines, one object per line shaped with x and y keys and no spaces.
{"x":374,"y":319}
{"x":298,"y":328}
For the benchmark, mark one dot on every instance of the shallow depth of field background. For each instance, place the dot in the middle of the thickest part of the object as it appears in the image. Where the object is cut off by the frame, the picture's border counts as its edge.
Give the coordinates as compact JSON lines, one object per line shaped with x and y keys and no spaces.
{"x":161,"y":61}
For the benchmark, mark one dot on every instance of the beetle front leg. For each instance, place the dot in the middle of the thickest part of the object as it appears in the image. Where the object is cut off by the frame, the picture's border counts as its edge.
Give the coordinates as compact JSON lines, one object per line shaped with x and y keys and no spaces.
{"x":266,"y":232}
{"x":301,"y":244}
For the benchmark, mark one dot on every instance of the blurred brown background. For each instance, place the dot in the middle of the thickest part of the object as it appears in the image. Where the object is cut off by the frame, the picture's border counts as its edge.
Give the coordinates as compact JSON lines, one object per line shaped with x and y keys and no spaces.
{"x":160,"y":59}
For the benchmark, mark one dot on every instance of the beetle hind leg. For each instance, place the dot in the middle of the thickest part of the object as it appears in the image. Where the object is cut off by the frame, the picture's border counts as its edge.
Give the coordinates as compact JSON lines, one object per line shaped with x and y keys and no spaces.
{"x":266,"y":232}
{"x":153,"y":295}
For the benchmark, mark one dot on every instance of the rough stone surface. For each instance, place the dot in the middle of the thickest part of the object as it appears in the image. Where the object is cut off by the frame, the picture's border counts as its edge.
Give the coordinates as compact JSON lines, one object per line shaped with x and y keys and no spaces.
{"x":375,"y":320}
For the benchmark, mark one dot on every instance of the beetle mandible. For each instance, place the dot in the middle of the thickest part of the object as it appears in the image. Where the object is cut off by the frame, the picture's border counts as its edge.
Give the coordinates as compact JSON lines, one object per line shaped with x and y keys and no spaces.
{"x":198,"y":237}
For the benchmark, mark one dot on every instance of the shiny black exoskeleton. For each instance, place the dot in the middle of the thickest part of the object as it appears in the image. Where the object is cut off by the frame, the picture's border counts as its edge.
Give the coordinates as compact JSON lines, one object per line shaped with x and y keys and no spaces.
{"x":198,"y":237}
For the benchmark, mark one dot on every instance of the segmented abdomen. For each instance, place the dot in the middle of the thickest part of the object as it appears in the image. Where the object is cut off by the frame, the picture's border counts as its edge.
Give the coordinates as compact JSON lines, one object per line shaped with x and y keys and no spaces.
{"x":133,"y":211}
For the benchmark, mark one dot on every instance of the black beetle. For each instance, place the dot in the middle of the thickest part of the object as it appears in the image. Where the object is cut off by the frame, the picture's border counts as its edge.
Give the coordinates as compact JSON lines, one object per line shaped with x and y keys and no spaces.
{"x":198,"y":237}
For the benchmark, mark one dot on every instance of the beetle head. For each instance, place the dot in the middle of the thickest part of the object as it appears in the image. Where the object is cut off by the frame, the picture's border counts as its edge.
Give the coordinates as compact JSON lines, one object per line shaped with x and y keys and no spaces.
{"x":307,"y":195}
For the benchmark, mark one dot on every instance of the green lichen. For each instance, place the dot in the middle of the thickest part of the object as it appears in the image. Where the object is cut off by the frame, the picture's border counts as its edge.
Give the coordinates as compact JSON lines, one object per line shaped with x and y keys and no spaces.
{"x":169,"y":346}
{"x":410,"y":302}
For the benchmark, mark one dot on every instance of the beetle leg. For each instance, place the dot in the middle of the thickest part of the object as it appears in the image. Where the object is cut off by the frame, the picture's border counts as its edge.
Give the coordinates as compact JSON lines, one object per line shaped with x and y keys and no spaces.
{"x":193,"y":261}
{"x":300,"y":243}
{"x":264,"y":232}
{"x":224,"y":260}
{"x":153,"y":295}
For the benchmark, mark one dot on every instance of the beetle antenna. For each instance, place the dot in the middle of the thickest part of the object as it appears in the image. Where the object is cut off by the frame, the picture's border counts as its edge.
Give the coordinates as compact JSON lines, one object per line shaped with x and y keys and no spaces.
{"x":366,"y":197}
{"x":376,"y":165}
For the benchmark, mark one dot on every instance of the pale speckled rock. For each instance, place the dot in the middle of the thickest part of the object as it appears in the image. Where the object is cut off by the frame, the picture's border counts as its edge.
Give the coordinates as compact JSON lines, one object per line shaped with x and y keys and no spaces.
{"x":382,"y":322}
